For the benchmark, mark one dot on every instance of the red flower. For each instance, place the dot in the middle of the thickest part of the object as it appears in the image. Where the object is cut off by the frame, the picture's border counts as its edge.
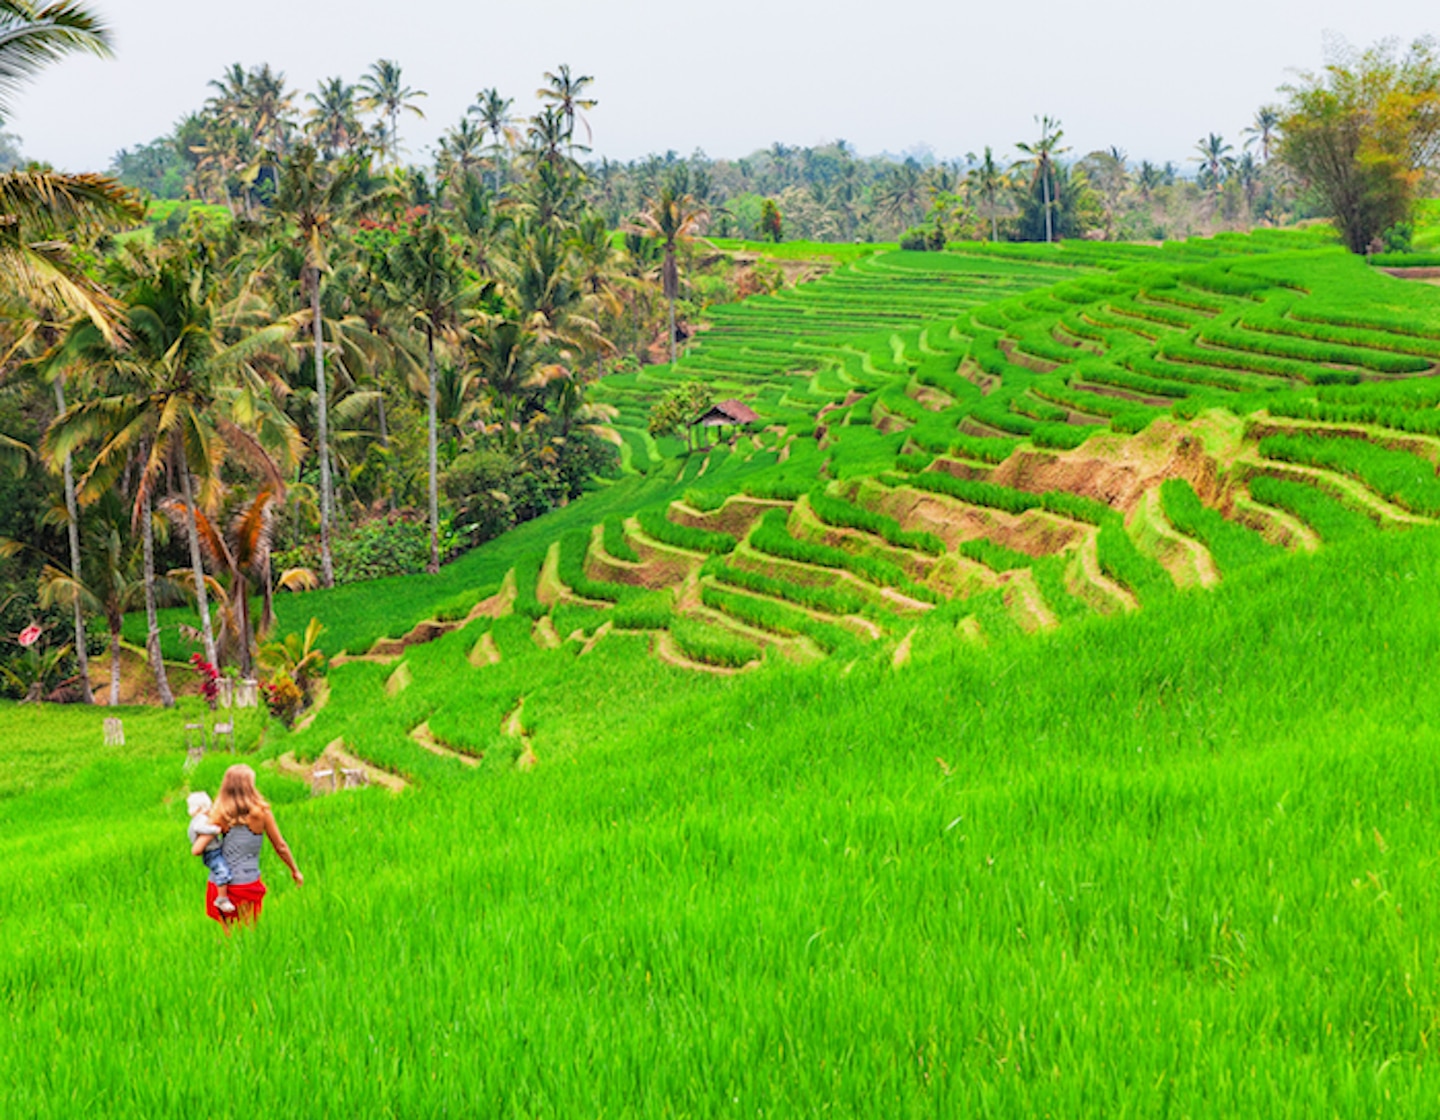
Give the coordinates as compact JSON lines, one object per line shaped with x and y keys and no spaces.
{"x":30,"y":635}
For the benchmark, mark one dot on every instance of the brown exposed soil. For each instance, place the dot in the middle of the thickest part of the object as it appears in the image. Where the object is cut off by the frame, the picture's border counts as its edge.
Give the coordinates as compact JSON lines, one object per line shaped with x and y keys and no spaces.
{"x":1019,"y":357}
{"x":137,"y":683}
{"x":735,"y":517}
{"x":1116,"y":471}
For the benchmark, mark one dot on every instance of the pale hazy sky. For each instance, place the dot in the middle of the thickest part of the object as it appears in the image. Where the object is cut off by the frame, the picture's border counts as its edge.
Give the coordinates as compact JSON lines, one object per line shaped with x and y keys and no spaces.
{"x":1151,"y":76}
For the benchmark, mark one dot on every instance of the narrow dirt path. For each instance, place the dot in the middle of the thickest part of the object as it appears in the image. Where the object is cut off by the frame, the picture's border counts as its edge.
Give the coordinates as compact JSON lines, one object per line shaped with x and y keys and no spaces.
{"x":336,"y":759}
{"x":422,"y":735}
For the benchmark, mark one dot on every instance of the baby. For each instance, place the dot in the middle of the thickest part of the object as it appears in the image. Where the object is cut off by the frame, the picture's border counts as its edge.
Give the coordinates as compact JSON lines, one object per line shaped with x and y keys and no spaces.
{"x":208,"y":848}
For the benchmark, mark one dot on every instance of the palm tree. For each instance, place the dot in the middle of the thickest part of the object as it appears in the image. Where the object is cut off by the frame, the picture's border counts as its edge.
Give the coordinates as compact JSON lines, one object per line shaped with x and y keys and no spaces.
{"x":1263,"y":131}
{"x":985,"y":181}
{"x":332,"y":120}
{"x":243,"y":554}
{"x":460,"y":150}
{"x":176,"y":406}
{"x":672,"y":219}
{"x":564,"y":93}
{"x":1041,"y":156}
{"x":427,"y":278}
{"x":1214,"y":160}
{"x":545,"y":134}
{"x":32,"y":37}
{"x":383,"y":91}
{"x":506,"y":353}
{"x":494,"y":114}
{"x":312,"y":199}
{"x":111,"y":581}
{"x":901,"y":196}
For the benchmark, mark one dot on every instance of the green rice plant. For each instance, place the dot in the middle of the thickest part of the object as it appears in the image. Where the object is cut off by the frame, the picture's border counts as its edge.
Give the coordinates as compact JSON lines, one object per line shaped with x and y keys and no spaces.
{"x":981,"y":449}
{"x":1331,"y":521}
{"x":772,"y":537}
{"x":456,"y":607}
{"x":706,"y":501}
{"x":1063,"y":437}
{"x":1232,"y":546}
{"x":711,"y":645}
{"x":832,"y":600}
{"x":838,"y":512}
{"x":776,"y":489}
{"x":1400,"y":476}
{"x":995,"y":556}
{"x":777,"y":618}
{"x":661,"y":528}
{"x":616,"y":542}
{"x":527,"y":576}
{"x":1128,"y":566}
{"x":653,"y":610}
{"x":574,"y":546}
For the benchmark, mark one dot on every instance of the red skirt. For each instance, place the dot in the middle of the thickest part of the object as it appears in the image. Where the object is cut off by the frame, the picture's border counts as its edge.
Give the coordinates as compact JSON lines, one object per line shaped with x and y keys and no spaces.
{"x":247,"y":897}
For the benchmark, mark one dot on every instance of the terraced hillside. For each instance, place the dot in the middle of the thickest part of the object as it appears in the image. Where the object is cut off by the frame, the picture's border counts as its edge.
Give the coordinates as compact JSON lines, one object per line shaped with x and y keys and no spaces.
{"x":1033,"y":715}
{"x":1121,"y":422}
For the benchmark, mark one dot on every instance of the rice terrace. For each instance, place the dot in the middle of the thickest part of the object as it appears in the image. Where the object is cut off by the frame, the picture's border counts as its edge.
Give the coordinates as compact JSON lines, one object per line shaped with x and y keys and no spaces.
{"x":795,"y":635}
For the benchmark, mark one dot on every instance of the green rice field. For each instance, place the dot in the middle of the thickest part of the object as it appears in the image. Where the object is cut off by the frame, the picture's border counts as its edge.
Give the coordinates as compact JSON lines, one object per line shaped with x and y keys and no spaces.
{"x":1032,"y":715}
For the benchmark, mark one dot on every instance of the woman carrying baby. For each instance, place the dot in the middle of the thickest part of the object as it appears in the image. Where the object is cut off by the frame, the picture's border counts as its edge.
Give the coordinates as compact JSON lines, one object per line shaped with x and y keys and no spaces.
{"x":246,"y":821}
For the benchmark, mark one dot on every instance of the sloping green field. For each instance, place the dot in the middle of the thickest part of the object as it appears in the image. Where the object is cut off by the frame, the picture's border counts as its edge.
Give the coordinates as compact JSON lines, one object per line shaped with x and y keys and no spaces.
{"x":1035,"y":717}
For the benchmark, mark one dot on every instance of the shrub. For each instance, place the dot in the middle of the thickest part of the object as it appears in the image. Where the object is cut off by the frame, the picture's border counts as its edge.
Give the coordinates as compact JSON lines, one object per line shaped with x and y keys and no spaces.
{"x":395,"y":545}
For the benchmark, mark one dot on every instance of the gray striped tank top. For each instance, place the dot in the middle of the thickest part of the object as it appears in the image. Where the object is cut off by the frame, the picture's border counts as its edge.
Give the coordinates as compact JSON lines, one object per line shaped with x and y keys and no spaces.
{"x":242,"y":853}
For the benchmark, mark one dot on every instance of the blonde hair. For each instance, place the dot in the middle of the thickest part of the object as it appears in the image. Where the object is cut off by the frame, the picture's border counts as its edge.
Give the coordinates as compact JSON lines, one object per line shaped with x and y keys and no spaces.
{"x":238,"y":797}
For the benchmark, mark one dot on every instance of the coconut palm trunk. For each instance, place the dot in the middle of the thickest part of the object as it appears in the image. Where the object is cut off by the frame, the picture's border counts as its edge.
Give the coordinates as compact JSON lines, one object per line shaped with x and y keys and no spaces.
{"x":327,"y":563}
{"x":152,"y":622}
{"x":197,"y":567}
{"x":671,"y":278}
{"x":114,"y":622}
{"x":430,"y":408}
{"x":1045,"y":185}
{"x":72,"y":512}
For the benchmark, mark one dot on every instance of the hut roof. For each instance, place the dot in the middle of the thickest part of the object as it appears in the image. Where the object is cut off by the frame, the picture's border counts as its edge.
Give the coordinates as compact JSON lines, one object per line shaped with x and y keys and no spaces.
{"x":728,"y":412}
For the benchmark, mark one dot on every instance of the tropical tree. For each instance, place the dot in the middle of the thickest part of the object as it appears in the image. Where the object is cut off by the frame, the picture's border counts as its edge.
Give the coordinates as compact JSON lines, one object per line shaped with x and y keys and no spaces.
{"x":1040,"y":157}
{"x":985,"y":181}
{"x":565,"y":93}
{"x":1363,"y":133}
{"x":313,"y":198}
{"x":383,"y":91}
{"x":672,"y":220}
{"x":183,"y":387}
{"x":426,"y":277}
{"x":1215,"y":161}
{"x":901,"y":196}
{"x":493,"y":112}
{"x":1264,"y":130}
{"x":332,"y":120}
